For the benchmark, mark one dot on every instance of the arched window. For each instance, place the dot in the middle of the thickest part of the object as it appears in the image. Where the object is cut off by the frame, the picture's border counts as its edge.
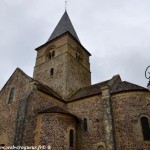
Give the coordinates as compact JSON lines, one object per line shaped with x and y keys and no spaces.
{"x":52,"y":72}
{"x":49,"y":55}
{"x":11,"y":95}
{"x":85,"y":126}
{"x":145,"y":128}
{"x":77,"y":56}
{"x":71,"y":138}
{"x":100,"y":147}
{"x":53,"y":54}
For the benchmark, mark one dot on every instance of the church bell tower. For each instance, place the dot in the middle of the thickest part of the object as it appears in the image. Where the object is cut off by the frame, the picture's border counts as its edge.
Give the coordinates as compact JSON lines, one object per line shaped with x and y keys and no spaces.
{"x":62,"y":63}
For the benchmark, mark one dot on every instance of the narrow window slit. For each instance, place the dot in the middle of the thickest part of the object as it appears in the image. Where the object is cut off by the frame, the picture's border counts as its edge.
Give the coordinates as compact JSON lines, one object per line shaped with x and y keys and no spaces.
{"x":85,"y":126}
{"x":145,"y":128}
{"x":11,"y":95}
{"x":71,"y":138}
{"x":52,"y":72}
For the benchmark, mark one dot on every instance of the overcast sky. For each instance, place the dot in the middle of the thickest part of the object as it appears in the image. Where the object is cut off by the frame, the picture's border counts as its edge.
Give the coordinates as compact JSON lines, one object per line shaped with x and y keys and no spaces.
{"x":115,"y":32}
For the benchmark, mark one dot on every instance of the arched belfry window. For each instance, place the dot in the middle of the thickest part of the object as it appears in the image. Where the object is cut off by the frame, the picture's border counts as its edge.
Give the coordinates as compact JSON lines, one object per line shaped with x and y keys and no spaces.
{"x":11,"y":95}
{"x":145,"y":128}
{"x":78,"y":56}
{"x":51,"y":53}
{"x":85,"y":125}
{"x":71,"y":138}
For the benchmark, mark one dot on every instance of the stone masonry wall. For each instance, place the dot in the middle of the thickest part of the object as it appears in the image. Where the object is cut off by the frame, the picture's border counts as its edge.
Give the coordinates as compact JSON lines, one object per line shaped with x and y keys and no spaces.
{"x":75,"y":47}
{"x":128,"y":108}
{"x":77,"y":76}
{"x":91,"y":108}
{"x":53,"y":130}
{"x":44,"y":65}
{"x":67,"y":68}
{"x":108,"y":120}
{"x":57,"y":81}
{"x":37,"y":102}
{"x":8,"y":112}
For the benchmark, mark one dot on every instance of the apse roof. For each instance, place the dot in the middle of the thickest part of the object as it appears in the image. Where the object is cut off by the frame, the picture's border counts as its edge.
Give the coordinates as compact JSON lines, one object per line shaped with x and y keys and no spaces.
{"x":127,"y":86}
{"x":57,"y":109}
{"x":63,"y":26}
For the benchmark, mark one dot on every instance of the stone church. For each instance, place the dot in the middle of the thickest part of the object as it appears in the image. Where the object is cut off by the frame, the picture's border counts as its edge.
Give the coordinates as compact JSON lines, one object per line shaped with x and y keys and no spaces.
{"x":59,"y":107}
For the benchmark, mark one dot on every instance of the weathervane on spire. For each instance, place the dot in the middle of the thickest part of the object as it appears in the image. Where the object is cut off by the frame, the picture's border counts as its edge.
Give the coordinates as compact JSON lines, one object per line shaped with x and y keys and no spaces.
{"x":66,"y":5}
{"x":147,"y":75}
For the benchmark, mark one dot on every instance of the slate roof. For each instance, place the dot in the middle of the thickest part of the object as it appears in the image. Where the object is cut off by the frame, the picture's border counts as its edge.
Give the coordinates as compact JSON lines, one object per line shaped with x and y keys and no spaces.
{"x":57,"y":109}
{"x":62,"y":27}
{"x":89,"y":91}
{"x":95,"y":89}
{"x":115,"y":84}
{"x":126,"y":86}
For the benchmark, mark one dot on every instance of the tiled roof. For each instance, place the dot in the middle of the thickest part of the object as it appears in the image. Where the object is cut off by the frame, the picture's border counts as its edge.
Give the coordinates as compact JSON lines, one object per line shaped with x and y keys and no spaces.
{"x":57,"y":109}
{"x":126,"y":86}
{"x":62,"y":27}
{"x":88,"y":91}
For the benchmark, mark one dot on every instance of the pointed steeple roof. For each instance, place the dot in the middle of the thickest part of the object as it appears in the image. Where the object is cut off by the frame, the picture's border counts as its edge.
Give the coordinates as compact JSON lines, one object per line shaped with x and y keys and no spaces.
{"x":62,"y":27}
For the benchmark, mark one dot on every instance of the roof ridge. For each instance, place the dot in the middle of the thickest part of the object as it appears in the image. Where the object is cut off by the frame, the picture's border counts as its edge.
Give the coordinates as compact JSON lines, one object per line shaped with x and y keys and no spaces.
{"x":101,"y":82}
{"x":17,"y":69}
{"x":23,"y":73}
{"x":55,"y":94}
{"x":125,"y":86}
{"x":134,"y":84}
